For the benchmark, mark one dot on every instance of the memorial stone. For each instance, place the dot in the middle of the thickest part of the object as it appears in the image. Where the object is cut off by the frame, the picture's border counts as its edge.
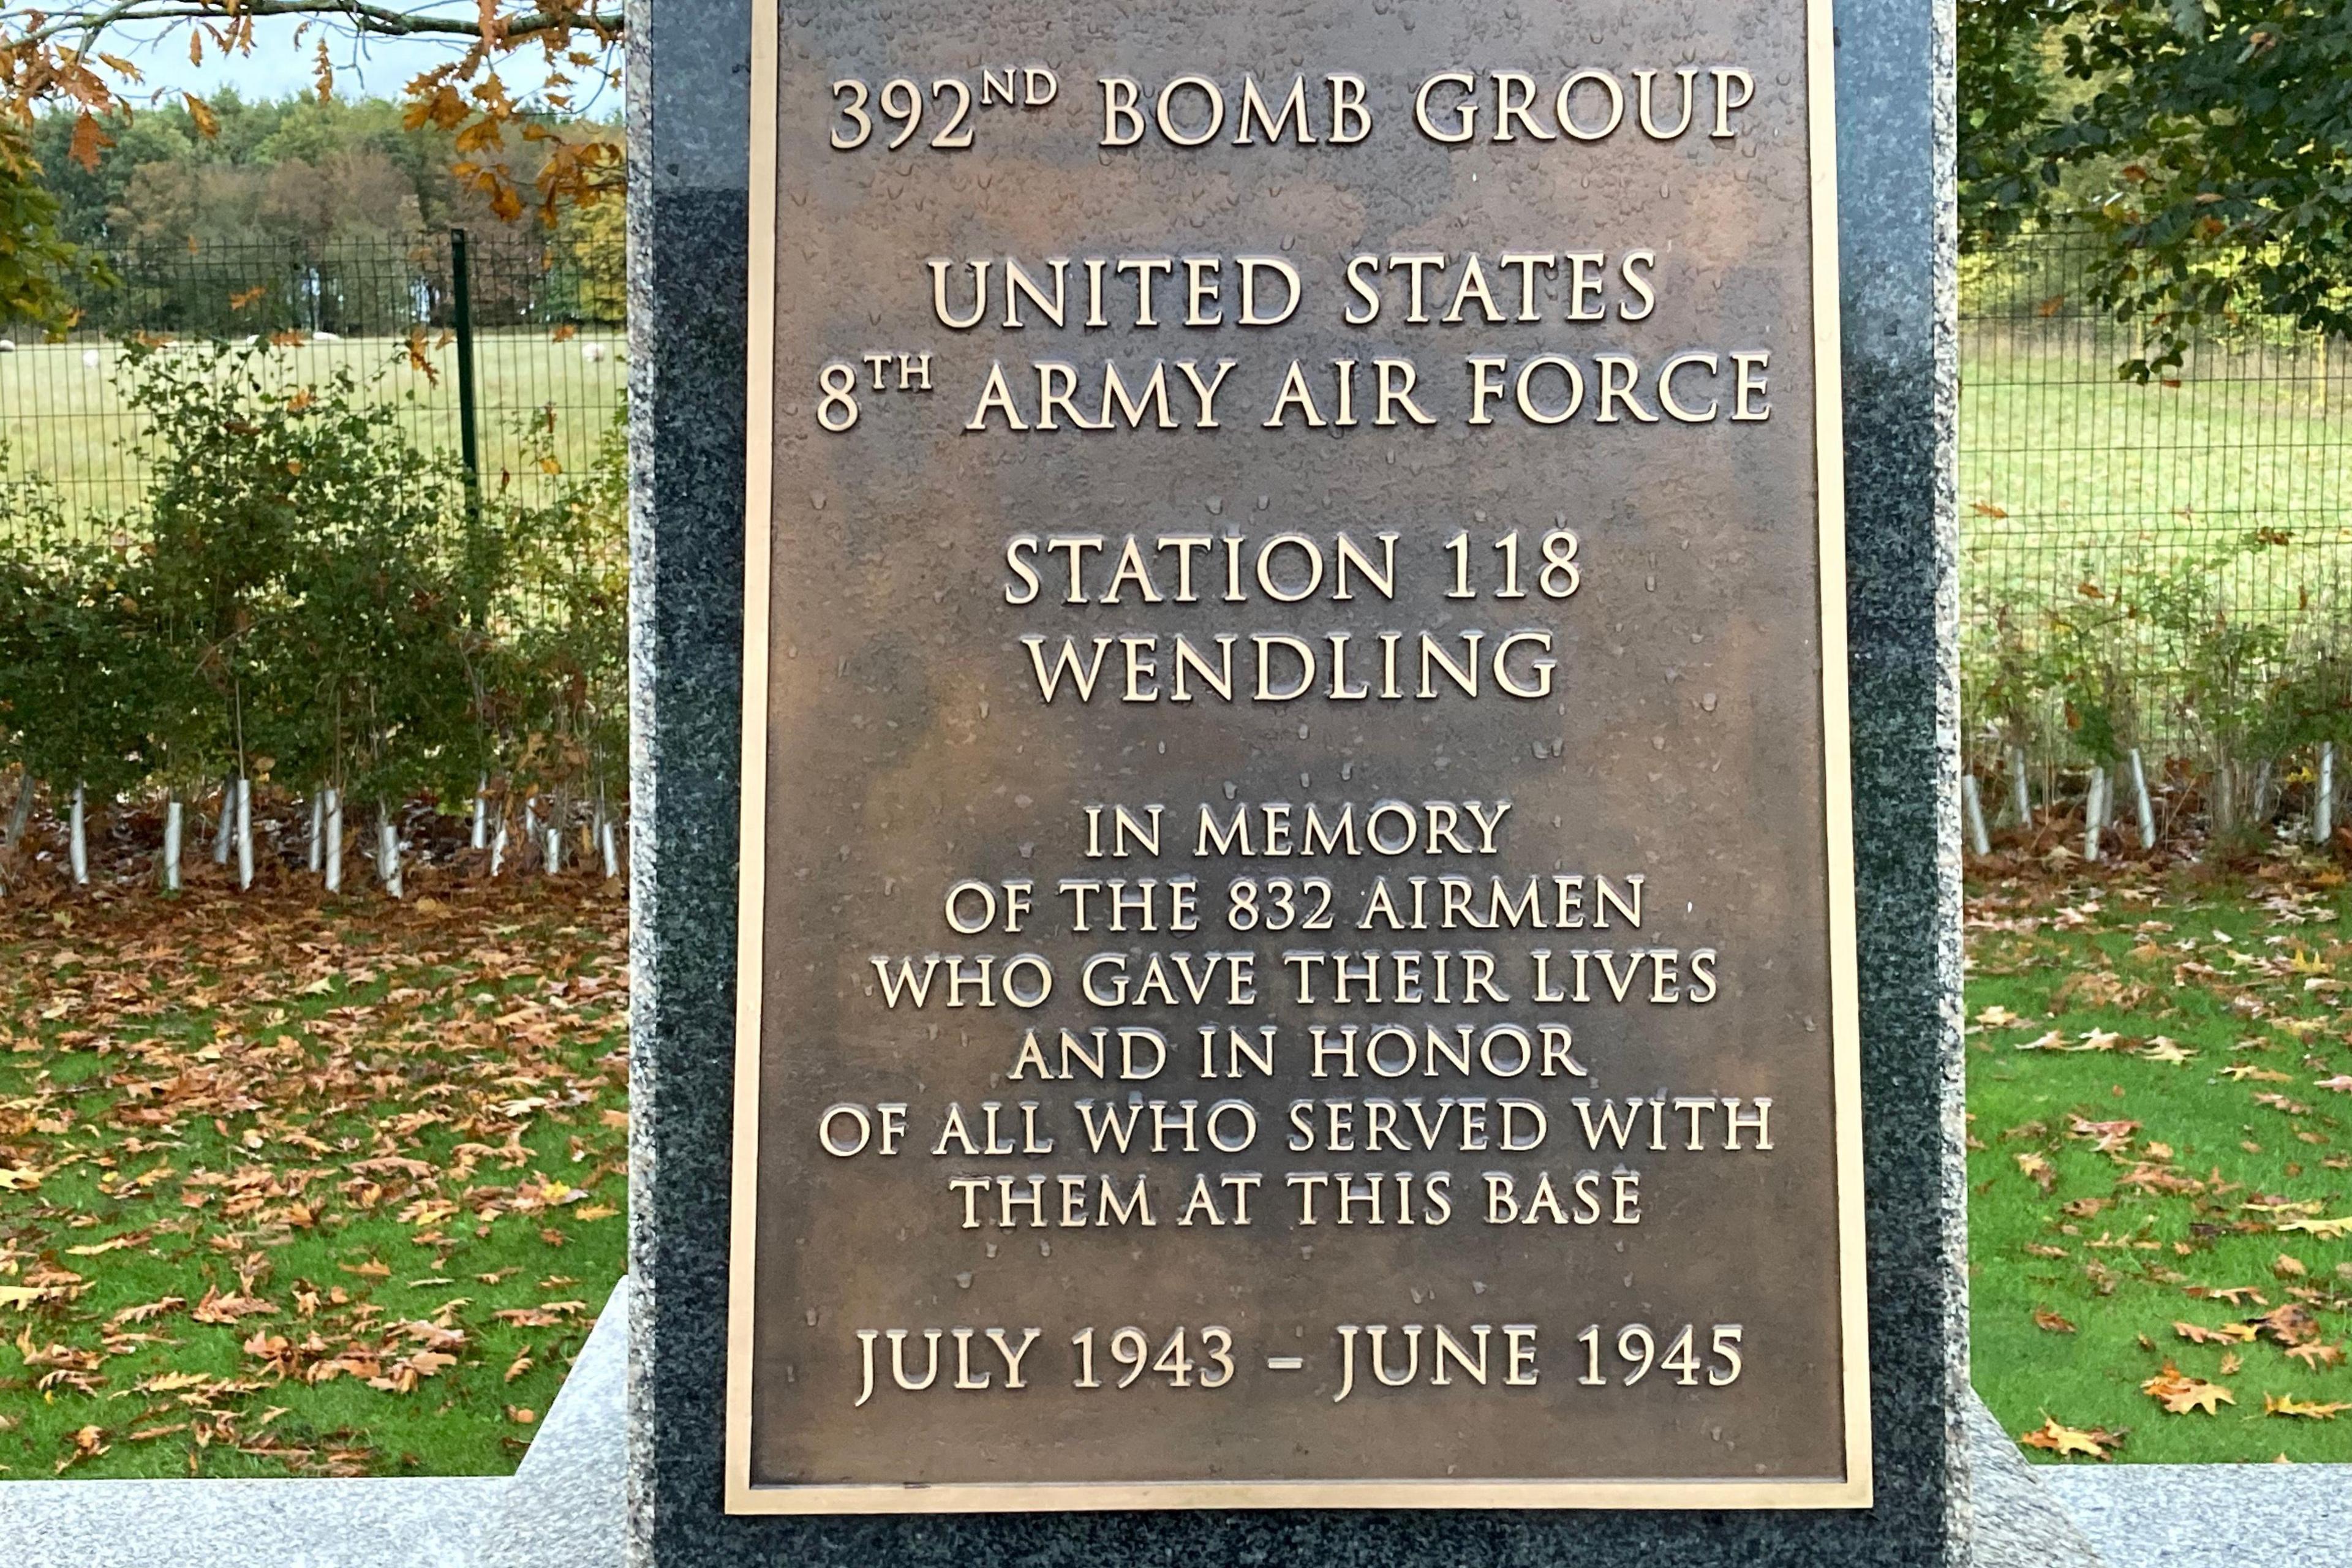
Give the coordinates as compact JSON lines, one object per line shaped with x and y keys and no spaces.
{"x":1341,"y":607}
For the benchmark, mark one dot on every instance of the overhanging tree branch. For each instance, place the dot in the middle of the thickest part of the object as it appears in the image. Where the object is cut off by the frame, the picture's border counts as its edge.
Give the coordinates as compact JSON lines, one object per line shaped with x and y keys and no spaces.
{"x":59,"y":58}
{"x":379,"y":21}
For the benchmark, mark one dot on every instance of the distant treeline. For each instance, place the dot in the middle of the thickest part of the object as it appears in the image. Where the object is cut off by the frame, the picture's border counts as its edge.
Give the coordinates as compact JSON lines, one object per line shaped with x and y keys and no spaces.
{"x":301,"y":175}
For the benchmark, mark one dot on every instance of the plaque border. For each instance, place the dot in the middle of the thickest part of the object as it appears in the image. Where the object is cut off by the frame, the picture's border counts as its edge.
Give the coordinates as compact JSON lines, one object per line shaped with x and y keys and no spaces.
{"x":1854,"y":1490}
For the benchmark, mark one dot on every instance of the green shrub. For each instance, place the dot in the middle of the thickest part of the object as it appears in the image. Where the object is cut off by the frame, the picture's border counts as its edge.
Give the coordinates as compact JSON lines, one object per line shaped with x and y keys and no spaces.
{"x":305,"y":596}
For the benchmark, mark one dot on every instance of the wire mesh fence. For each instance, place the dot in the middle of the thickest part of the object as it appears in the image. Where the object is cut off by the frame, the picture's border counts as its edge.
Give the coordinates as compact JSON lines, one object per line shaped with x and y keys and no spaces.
{"x":517,"y":343}
{"x":2113,"y":531}
{"x":2231,"y":477}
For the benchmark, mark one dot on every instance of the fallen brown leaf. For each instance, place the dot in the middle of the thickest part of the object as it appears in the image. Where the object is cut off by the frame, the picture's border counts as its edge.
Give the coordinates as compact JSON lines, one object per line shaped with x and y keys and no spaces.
{"x":2180,"y":1395}
{"x":2092,"y":1443}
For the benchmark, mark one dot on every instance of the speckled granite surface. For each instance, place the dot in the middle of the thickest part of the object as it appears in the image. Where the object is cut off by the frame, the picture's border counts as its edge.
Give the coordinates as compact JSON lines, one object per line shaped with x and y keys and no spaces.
{"x":567,"y":1506}
{"x":2019,"y":1523}
{"x":2208,"y":1515}
{"x":246,"y":1523}
{"x":689,"y":90}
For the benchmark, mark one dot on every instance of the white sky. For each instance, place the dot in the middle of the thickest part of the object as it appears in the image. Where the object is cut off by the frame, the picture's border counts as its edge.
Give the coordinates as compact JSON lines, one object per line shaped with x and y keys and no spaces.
{"x":278,"y":67}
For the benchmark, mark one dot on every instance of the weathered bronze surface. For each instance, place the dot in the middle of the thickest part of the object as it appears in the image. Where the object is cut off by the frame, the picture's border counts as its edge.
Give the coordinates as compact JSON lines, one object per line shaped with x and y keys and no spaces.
{"x":1686,"y":755}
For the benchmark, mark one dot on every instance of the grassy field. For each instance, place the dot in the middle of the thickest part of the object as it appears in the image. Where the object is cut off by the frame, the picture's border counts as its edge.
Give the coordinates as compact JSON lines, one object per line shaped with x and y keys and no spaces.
{"x":2160,"y":1163}
{"x":2062,"y":465}
{"x":294,"y":1187}
{"x":64,"y":417}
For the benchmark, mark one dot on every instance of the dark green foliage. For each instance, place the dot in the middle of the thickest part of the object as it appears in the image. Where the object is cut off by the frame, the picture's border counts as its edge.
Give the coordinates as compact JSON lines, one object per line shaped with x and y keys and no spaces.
{"x":566,"y":664}
{"x":41,"y":270}
{"x":2004,"y":103}
{"x":2209,"y":144}
{"x":300,"y":546}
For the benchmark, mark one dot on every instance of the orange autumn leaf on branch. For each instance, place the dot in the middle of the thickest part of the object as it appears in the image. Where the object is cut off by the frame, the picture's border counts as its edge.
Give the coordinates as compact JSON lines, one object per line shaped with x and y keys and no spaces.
{"x":89,"y":141}
{"x":55,"y":56}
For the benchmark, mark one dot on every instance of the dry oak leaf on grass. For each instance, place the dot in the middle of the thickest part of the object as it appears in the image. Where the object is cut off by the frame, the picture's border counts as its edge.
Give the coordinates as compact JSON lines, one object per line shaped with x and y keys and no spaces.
{"x":2288,"y":1405}
{"x":2107,"y":1137}
{"x":2227,"y":1334}
{"x":217,"y":1307}
{"x":2289,"y":1324}
{"x":2323,"y":1229}
{"x":2236,"y":1295}
{"x":2092,"y":1444}
{"x":2180,"y":1395}
{"x":21,"y":1296}
{"x":2051,"y":1322}
{"x":88,"y":1444}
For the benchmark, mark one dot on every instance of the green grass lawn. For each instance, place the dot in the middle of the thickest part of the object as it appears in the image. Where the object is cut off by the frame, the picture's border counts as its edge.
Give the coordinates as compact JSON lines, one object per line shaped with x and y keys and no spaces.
{"x":66,"y":420}
{"x":293,"y":1186}
{"x":2160,"y":1161}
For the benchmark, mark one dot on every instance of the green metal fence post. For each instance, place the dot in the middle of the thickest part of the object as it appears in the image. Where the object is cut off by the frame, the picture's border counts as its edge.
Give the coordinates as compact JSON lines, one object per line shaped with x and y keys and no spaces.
{"x":461,"y":298}
{"x":470,"y":448}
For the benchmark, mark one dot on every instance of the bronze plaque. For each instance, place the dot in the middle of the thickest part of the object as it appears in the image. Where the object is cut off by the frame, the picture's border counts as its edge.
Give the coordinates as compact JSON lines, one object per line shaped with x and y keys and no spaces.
{"x":1296,"y":891}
